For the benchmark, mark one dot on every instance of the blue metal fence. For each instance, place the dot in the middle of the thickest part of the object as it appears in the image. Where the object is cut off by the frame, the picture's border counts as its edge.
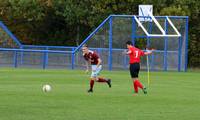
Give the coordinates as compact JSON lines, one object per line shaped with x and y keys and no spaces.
{"x":69,"y":56}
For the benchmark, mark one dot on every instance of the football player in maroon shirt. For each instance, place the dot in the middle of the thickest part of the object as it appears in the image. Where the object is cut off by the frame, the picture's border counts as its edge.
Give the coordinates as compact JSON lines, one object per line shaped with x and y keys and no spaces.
{"x":93,"y":59}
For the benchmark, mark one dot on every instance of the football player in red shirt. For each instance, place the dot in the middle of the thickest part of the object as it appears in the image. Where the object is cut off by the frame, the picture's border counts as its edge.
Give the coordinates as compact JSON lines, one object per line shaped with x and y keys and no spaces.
{"x":135,"y":54}
{"x":92,"y":58}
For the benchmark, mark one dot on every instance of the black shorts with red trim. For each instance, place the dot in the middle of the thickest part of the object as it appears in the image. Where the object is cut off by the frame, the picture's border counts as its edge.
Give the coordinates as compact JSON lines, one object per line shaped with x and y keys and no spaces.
{"x":134,"y":69}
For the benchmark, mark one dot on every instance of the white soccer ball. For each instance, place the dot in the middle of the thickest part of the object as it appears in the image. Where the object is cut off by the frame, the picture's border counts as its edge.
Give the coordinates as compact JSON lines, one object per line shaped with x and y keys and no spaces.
{"x":46,"y":88}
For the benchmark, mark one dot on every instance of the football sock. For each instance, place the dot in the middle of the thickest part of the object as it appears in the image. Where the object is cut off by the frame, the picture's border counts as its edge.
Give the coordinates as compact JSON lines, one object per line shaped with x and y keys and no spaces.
{"x":139,"y":84}
{"x":91,"y":84}
{"x":102,"y":80}
{"x":135,"y":86}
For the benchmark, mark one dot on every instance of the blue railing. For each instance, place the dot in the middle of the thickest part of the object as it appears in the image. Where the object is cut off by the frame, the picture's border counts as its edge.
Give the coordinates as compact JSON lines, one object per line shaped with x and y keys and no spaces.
{"x":18,"y":56}
{"x":46,"y":50}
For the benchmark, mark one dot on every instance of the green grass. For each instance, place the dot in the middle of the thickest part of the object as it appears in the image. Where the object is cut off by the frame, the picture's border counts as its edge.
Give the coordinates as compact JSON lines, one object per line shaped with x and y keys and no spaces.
{"x":171,"y":96}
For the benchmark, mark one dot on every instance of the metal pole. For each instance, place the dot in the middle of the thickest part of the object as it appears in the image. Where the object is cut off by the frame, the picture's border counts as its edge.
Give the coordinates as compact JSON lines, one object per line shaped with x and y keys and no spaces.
{"x":73,"y":58}
{"x":179,"y":53}
{"x":133,"y":31}
{"x":15,"y":59}
{"x":45,"y":59}
{"x":110,"y":45}
{"x":165,"y":47}
{"x":186,"y":45}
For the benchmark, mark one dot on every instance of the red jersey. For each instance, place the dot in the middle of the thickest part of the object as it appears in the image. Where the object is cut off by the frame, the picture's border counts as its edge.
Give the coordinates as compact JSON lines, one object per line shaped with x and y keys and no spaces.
{"x":135,"y":55}
{"x":92,"y":57}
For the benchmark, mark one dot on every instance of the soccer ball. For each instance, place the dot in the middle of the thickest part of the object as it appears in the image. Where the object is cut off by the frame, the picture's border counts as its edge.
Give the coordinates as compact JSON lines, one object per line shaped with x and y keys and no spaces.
{"x":46,"y":88}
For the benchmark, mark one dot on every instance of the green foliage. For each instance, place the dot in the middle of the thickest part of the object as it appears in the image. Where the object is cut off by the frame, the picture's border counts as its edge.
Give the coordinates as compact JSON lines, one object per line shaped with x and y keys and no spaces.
{"x":27,"y":9}
{"x":175,"y":10}
{"x":68,"y":22}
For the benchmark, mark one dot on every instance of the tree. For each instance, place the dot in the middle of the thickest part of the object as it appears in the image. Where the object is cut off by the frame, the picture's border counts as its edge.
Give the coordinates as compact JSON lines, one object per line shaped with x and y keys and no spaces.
{"x":68,"y":22}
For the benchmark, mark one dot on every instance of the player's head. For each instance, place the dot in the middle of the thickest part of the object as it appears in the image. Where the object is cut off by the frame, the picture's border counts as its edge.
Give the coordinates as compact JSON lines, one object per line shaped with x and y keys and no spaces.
{"x":85,"y":49}
{"x":129,"y":44}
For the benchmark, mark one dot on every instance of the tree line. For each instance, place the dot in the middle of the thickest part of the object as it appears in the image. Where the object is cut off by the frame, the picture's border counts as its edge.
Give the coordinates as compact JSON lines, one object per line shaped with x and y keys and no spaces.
{"x":68,"y":22}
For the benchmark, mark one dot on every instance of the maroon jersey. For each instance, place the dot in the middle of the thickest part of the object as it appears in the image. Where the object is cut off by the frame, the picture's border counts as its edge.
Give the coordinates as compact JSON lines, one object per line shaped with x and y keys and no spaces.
{"x":92,"y":57}
{"x":135,"y":54}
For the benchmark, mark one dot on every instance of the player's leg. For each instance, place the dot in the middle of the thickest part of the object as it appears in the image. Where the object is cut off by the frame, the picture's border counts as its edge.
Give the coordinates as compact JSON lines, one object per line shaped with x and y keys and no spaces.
{"x":102,"y":79}
{"x":133,"y":76}
{"x":136,"y":79}
{"x":92,"y":80}
{"x":106,"y":80}
{"x":93,"y":77}
{"x":137,"y":83}
{"x":91,"y":84}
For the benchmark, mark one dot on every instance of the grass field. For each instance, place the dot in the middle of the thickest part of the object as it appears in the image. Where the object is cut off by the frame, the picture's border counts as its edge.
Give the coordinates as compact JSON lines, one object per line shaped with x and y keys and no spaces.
{"x":171,"y":96}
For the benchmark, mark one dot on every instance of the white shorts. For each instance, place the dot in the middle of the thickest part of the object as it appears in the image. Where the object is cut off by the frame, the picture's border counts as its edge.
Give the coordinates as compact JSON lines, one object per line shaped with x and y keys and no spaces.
{"x":95,"y":70}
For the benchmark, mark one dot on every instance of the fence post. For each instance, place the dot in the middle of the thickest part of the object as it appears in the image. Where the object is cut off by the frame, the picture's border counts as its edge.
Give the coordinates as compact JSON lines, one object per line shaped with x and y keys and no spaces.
{"x":179,"y":53}
{"x":21,"y":55}
{"x":73,"y":58}
{"x":15,"y":59}
{"x":45,"y":58}
{"x":165,"y":47}
{"x":110,"y":45}
{"x":133,"y":31}
{"x":148,"y":44}
{"x":186,"y":45}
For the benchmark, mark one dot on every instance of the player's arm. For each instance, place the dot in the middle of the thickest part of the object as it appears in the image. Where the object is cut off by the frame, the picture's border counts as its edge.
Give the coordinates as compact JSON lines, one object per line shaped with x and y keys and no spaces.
{"x":148,"y":51}
{"x":87,"y":65}
{"x":126,"y":52}
{"x":99,"y":62}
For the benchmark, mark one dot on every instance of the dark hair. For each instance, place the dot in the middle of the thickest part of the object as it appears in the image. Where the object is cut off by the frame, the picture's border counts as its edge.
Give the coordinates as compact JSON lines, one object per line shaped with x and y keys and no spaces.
{"x":129,"y":43}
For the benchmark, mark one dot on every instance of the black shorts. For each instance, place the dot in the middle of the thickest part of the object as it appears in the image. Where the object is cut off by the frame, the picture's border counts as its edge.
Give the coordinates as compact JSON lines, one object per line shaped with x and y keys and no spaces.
{"x":134,"y":70}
